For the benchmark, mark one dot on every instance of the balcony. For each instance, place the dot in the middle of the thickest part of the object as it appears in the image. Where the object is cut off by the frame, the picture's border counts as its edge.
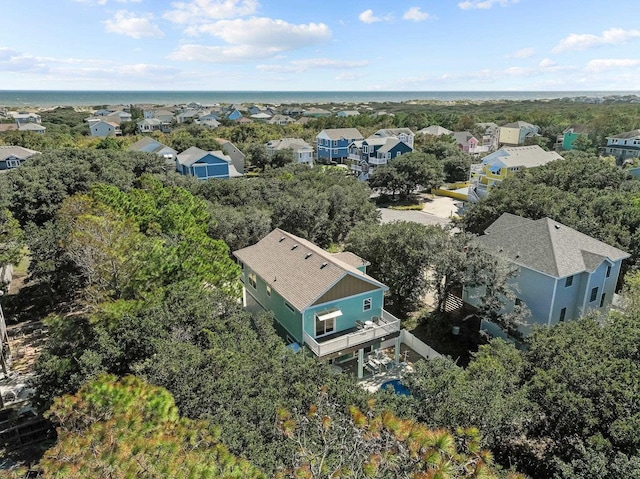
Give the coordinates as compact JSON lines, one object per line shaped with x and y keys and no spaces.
{"x":355,"y":156}
{"x":379,"y":328}
{"x":378,"y":161}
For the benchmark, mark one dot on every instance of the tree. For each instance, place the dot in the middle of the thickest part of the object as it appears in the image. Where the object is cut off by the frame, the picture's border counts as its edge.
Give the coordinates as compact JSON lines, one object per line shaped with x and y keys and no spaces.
{"x":400,"y":253}
{"x":11,"y":239}
{"x":333,"y":443}
{"x":127,"y":428}
{"x":408,"y":172}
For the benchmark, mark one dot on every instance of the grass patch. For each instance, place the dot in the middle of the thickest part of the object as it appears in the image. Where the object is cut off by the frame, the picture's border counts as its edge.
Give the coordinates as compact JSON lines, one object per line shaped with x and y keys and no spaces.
{"x":416,"y":207}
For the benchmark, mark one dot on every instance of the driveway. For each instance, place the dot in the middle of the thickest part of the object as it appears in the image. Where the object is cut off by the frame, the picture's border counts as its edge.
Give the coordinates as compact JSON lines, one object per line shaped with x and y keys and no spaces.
{"x":387,"y":216}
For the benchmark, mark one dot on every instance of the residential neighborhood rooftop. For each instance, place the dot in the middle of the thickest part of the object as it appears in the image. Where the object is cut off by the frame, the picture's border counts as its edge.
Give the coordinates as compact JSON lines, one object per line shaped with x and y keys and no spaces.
{"x":298,"y":270}
{"x":546,"y":246}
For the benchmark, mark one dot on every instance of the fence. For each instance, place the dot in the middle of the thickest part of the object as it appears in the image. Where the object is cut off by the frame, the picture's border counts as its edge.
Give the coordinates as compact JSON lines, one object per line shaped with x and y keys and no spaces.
{"x":414,"y":343}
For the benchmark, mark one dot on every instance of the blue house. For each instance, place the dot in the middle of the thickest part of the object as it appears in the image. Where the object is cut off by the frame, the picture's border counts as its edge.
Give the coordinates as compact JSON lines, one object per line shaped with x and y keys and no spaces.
{"x":333,"y":144}
{"x":205,"y":164}
{"x":14,"y":156}
{"x":562,"y":273}
{"x":366,"y":155}
{"x":322,"y":301}
{"x":234,"y":115}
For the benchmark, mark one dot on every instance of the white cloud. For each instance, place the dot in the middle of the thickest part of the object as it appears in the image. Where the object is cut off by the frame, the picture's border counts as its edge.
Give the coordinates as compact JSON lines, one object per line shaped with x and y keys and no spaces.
{"x":585,"y":41}
{"x":268,"y":32}
{"x":485,"y":4}
{"x":251,"y":39}
{"x":547,"y":63}
{"x":415,"y":14}
{"x":522,"y":53}
{"x":300,"y":66}
{"x":132,"y":25}
{"x":202,"y":11}
{"x":604,"y":64}
{"x":368,"y":17}
{"x":220,"y":54}
{"x":349,"y":76}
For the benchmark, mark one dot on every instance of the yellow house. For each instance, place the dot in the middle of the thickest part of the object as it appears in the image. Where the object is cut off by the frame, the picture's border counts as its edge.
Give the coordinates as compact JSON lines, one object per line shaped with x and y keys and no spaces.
{"x":503,"y":163}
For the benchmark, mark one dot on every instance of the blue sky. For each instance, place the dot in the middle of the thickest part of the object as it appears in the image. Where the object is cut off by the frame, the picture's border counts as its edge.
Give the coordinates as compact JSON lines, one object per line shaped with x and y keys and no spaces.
{"x":410,"y":45}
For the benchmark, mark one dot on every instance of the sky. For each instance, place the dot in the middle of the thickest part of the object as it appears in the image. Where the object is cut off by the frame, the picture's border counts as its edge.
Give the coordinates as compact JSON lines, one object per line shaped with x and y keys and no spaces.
{"x":328,"y":45}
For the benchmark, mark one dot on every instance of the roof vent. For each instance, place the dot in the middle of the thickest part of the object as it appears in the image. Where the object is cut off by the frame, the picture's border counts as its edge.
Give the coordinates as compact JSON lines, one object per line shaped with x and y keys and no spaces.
{"x":308,"y":255}
{"x":323,"y":265}
{"x":557,"y":227}
{"x":281,"y":239}
{"x":294,"y":246}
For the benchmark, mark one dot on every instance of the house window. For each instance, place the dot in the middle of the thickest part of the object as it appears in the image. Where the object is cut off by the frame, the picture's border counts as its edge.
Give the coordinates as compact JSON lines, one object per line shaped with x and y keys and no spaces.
{"x":366,"y":304}
{"x":335,"y":142}
{"x":518,"y":302}
{"x":594,"y":294}
{"x":608,"y":270}
{"x":365,"y":149}
{"x":289,"y":307}
{"x":268,"y":290}
{"x":398,"y":153}
{"x":325,"y":327}
{"x":563,"y":313}
{"x":602,"y":299}
{"x":568,"y":282}
{"x":13,"y":163}
{"x":252,"y":280}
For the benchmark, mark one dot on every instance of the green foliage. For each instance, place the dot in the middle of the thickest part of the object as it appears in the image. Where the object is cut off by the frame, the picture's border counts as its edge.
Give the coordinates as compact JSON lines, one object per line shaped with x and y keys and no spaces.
{"x":40,"y":185}
{"x":399,"y":253}
{"x":319,"y":205}
{"x":331,"y":442}
{"x":406,"y":172}
{"x":582,"y":192}
{"x":564,"y":408}
{"x":127,"y":428}
{"x":11,"y":239}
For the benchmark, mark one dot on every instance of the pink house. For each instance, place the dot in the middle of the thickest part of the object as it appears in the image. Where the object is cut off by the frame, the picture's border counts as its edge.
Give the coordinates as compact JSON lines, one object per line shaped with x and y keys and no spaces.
{"x":468,"y":143}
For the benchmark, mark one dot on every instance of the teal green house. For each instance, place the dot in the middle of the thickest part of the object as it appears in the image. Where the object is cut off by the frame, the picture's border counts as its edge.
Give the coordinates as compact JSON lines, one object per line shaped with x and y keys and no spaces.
{"x":570,"y":135}
{"x":325,"y":302}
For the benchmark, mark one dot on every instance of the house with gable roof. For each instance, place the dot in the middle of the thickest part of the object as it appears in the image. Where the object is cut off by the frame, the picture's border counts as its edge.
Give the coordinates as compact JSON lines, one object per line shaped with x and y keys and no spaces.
{"x":403,"y":134}
{"x":151,"y":145}
{"x":623,"y":145}
{"x":333,"y":144}
{"x":516,"y":133}
{"x":205,"y":165}
{"x":302,"y":151}
{"x":562,"y":273}
{"x":325,"y":302}
{"x":435,"y":130}
{"x":103,"y":128}
{"x":377,"y":150}
{"x":505,"y":162}
{"x":14,"y":156}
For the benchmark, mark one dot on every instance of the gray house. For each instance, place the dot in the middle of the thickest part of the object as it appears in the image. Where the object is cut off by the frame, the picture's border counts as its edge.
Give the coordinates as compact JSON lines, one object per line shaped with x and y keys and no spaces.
{"x":14,"y":156}
{"x":150,"y":145}
{"x":562,"y":273}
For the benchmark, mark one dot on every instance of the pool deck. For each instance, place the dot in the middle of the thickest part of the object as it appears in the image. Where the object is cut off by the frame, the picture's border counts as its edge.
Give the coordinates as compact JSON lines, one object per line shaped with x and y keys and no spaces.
{"x":373,"y":382}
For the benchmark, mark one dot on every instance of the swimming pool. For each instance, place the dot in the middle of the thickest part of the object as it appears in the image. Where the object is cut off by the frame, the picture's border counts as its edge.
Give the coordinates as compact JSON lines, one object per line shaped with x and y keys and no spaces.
{"x":397,"y":386}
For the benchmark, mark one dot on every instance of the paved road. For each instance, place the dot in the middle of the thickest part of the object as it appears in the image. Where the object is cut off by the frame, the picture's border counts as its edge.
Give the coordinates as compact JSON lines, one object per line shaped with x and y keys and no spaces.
{"x":412,"y":215}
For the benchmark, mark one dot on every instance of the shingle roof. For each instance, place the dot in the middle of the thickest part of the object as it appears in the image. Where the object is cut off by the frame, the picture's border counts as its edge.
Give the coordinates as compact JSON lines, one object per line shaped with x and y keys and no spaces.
{"x":525,"y":156}
{"x":337,"y":133}
{"x":462,"y":137}
{"x":388,"y":145}
{"x":16,"y":151}
{"x":351,"y":258}
{"x":297,"y":272}
{"x":289,"y":143}
{"x":435,"y":130}
{"x":192,"y":155}
{"x":626,"y":135}
{"x":390,"y":132}
{"x":547,"y":246}
{"x":519,"y":124}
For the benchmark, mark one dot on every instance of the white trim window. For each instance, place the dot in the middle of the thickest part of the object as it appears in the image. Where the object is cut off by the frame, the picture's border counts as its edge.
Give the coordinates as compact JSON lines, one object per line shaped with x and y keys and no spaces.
{"x":327,"y":326}
{"x":366,"y":304}
{"x":252,"y":280}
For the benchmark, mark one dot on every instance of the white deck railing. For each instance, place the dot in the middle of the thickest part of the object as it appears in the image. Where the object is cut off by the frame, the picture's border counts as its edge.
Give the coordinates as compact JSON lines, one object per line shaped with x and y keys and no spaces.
{"x":386,"y":325}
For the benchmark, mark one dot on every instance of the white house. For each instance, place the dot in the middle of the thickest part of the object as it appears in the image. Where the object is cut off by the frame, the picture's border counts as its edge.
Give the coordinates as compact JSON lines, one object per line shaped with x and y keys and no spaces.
{"x":302,"y":151}
{"x":104,"y":128}
{"x":562,"y":273}
{"x":624,"y":145}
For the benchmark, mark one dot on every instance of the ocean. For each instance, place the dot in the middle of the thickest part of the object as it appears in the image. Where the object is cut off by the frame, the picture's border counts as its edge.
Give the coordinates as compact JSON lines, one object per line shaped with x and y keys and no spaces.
{"x":33,"y":98}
